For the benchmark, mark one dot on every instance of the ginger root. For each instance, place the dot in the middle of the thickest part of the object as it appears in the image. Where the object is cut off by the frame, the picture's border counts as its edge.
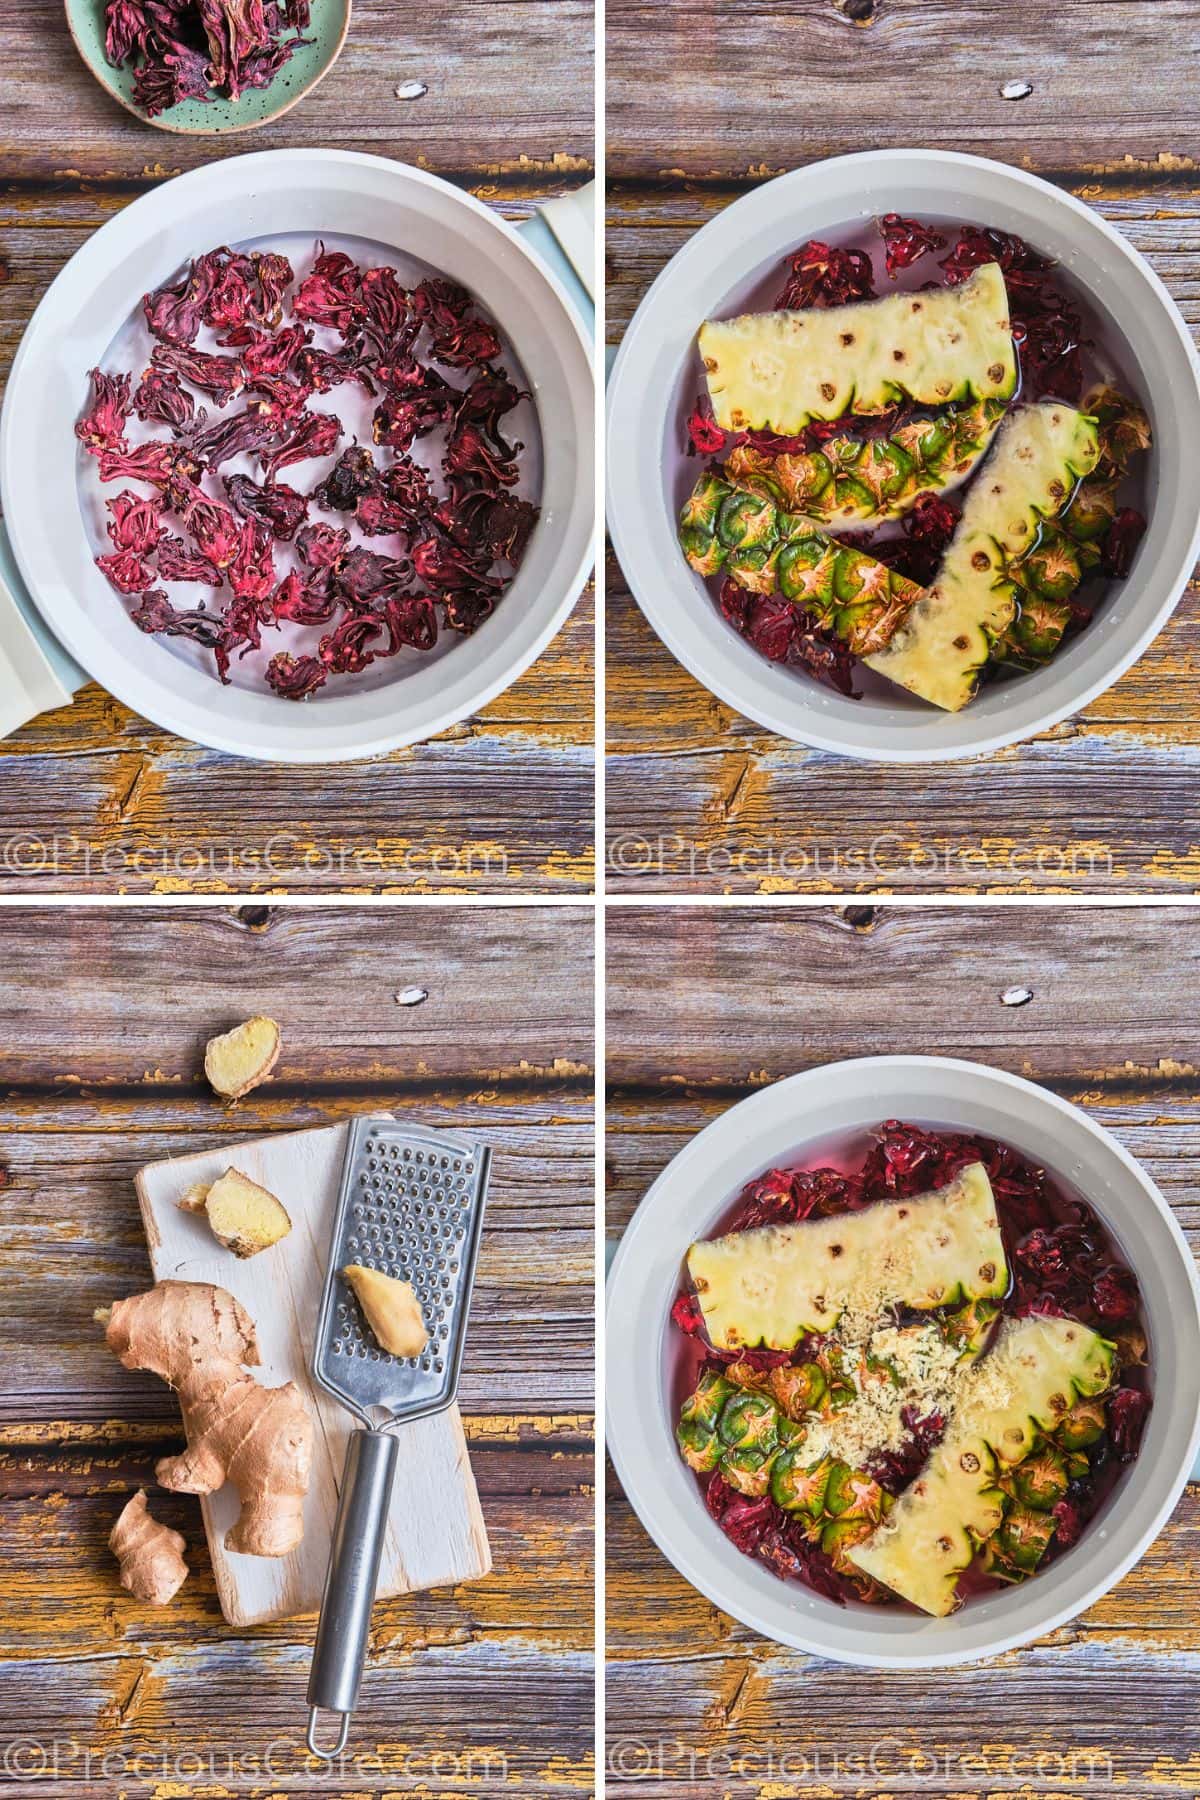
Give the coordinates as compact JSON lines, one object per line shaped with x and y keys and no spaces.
{"x":391,"y":1309}
{"x":197,"y":1337}
{"x":149,"y":1552}
{"x":245,"y":1218}
{"x":239,"y":1059}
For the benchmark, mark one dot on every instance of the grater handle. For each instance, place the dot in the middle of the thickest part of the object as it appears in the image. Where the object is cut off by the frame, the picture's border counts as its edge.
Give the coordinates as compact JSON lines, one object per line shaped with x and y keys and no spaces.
{"x":341,"y":1646}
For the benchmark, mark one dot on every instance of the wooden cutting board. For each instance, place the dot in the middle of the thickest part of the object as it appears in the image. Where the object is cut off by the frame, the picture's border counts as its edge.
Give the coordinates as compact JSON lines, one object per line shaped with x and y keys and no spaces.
{"x":436,"y":1535}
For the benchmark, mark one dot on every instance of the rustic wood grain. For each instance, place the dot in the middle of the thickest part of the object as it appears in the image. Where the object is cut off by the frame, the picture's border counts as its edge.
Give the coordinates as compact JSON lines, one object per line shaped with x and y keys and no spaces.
{"x":97,"y":799}
{"x":707,"y":1005}
{"x":103,"y":1016}
{"x":711,"y":91}
{"x":701,"y":799}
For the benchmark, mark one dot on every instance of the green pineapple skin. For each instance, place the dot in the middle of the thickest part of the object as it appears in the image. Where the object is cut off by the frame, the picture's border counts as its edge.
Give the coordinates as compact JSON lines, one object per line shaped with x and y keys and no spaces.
{"x":851,"y":482}
{"x":1083,"y":1426}
{"x":781,"y":371}
{"x":767,"y":550}
{"x":1041,"y":1481}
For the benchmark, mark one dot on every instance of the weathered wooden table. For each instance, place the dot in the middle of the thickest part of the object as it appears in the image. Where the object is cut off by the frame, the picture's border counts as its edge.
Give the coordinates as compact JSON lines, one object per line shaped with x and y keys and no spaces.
{"x":707,"y":1005}
{"x":704,"y":102}
{"x":97,"y":799}
{"x":103,"y":1015}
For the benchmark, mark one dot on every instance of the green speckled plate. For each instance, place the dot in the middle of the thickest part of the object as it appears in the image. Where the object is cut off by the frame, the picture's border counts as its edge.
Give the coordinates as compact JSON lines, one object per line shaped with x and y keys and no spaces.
{"x":219,"y":117}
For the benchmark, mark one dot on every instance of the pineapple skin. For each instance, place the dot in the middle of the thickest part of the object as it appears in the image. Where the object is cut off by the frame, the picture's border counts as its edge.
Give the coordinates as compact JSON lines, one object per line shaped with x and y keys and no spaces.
{"x":780,"y":371}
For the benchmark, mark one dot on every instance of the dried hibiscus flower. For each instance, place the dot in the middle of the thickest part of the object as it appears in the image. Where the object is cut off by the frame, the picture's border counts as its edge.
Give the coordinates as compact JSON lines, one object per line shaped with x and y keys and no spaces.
{"x":103,"y":427}
{"x":283,"y":509}
{"x":295,"y":677}
{"x":455,"y":539}
{"x":197,"y":49}
{"x":819,"y":275}
{"x":133,"y":524}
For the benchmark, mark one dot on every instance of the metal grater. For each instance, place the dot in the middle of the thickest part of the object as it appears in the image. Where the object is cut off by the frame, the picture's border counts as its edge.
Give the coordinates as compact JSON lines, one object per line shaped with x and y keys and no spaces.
{"x":411,"y":1204}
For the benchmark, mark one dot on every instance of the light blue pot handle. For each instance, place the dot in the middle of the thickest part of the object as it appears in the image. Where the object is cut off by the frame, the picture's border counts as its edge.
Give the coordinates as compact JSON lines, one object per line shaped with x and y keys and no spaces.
{"x":563,"y":234}
{"x":37,"y":674}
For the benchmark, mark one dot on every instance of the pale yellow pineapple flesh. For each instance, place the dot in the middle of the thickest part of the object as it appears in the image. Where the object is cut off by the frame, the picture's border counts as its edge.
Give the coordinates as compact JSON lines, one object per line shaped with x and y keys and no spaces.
{"x":239,"y":1059}
{"x":772,"y":1285}
{"x":1038,"y":459}
{"x":1032,"y":1376}
{"x":779,"y":371}
{"x":391,"y":1310}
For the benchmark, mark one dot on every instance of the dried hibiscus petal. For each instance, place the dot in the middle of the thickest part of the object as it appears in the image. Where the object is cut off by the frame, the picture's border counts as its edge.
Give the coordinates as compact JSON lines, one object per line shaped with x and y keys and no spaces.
{"x":102,"y":427}
{"x":133,"y":524}
{"x":162,"y":399}
{"x":176,"y":72}
{"x":411,"y":620}
{"x":126,"y":571}
{"x":322,"y":546}
{"x":819,"y":275}
{"x":175,"y":311}
{"x":315,"y":434}
{"x":303,"y":603}
{"x":705,"y":436}
{"x":331,"y":293}
{"x":1121,"y":541}
{"x":177,"y":561}
{"x":218,"y":376}
{"x":246,"y":433}
{"x":363,"y":577}
{"x":687,"y":1315}
{"x":322,"y":370}
{"x":468,"y":452}
{"x":252,"y":573}
{"x":280,"y":506}
{"x":213,"y":528}
{"x":352,"y":476}
{"x":906,"y":241}
{"x":345,"y":650}
{"x":295,"y":677}
{"x":150,"y":462}
{"x":1127,"y":1410}
{"x":157,"y":616}
{"x":265,"y":353}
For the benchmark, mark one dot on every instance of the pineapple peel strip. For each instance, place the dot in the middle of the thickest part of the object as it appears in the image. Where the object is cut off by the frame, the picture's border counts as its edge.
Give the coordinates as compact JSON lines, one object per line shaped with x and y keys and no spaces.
{"x":1030,"y":1379}
{"x":774,"y":1285}
{"x":780,"y":371}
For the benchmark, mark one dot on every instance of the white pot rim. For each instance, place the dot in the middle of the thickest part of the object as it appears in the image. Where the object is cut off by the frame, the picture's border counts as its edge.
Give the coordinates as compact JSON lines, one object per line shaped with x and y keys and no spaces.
{"x":653,"y":354}
{"x":694,"y":1190}
{"x":261,"y":194}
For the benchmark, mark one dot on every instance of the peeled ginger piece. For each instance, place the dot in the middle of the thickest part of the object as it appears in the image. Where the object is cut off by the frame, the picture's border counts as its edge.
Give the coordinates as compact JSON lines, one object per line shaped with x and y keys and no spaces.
{"x":391,"y":1310}
{"x":239,"y":1059}
{"x":245,"y":1218}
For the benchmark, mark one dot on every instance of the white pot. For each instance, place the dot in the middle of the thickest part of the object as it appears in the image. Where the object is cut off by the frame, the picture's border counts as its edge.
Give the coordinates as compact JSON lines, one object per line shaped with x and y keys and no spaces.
{"x":656,"y":371}
{"x":335,"y":194}
{"x":774,"y":1127}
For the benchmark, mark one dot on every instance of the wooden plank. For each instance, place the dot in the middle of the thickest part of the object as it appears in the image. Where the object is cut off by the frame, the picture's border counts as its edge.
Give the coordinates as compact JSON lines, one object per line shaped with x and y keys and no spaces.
{"x":435,"y":1536}
{"x":708,"y":1005}
{"x":702,"y":90}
